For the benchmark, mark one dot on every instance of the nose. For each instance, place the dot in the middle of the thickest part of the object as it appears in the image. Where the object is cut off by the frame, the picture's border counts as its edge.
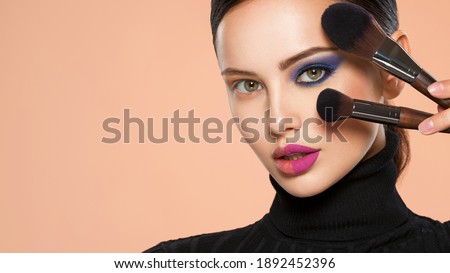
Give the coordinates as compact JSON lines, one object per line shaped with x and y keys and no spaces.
{"x":284,"y":112}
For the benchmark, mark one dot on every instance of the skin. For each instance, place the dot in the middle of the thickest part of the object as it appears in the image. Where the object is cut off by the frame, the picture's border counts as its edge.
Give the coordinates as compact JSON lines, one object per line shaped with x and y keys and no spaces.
{"x":441,"y":120}
{"x":253,"y":38}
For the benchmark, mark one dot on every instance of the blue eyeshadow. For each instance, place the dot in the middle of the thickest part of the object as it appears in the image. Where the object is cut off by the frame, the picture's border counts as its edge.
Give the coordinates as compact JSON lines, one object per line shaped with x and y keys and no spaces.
{"x":328,"y":63}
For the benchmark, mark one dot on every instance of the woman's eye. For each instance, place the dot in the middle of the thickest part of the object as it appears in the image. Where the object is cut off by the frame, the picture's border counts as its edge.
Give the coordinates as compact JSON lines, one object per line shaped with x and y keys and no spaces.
{"x":311,"y":75}
{"x":248,"y":86}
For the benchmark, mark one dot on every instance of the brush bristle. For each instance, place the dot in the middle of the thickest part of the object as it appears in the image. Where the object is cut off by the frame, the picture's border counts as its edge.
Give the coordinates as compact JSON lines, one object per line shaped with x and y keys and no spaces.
{"x":332,"y":105}
{"x":353,"y":29}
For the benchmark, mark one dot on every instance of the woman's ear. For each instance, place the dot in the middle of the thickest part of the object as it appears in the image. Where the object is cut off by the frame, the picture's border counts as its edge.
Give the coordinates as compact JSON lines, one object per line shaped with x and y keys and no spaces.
{"x":393,"y":85}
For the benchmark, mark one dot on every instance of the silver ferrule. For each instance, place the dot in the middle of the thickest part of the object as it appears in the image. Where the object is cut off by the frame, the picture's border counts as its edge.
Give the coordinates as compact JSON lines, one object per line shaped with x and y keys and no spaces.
{"x":393,"y":58}
{"x":376,"y":112}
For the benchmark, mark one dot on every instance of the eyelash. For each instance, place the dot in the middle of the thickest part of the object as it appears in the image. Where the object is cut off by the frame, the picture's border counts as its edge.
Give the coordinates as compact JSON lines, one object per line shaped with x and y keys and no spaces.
{"x":327,"y":69}
{"x":235,"y":88}
{"x":324,"y":67}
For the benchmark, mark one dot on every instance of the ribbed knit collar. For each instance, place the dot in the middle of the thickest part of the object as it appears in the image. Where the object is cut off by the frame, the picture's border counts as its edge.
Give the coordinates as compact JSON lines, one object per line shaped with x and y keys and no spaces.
{"x":364,"y":203}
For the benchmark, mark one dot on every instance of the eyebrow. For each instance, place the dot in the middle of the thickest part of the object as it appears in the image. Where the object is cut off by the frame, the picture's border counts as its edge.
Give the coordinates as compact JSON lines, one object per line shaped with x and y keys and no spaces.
{"x":234,"y":71}
{"x":283,"y":65}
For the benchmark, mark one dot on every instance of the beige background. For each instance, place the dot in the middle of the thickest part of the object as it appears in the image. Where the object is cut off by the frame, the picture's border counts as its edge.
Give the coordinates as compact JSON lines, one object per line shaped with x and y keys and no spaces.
{"x":65,"y":66}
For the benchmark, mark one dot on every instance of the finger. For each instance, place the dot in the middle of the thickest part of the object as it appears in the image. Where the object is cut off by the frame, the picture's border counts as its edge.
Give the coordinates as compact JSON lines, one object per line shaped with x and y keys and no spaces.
{"x":440,"y":108}
{"x":440,"y":89}
{"x":435,"y":123}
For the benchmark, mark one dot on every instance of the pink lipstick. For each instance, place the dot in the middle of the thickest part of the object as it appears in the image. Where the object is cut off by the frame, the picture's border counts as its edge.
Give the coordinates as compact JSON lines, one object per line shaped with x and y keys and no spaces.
{"x":295,"y":159}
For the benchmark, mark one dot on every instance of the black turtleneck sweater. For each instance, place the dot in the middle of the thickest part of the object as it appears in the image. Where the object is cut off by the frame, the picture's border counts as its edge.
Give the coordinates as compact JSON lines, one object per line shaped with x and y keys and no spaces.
{"x":362,"y":212}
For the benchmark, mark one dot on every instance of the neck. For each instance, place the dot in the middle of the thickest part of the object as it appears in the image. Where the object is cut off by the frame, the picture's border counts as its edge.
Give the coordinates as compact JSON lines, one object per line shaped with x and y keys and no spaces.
{"x":363,"y":203}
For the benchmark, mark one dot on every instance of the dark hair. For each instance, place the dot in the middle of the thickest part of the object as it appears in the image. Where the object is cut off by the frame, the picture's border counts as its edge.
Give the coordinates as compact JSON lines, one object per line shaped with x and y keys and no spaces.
{"x":384,"y":11}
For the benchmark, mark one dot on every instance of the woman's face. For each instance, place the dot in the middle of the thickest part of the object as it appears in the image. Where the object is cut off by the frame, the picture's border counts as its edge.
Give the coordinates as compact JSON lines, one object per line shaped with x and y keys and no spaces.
{"x":275,"y":60}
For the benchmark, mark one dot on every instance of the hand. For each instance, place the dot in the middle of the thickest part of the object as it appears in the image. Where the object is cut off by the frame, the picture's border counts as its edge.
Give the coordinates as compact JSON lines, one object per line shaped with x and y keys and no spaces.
{"x":441,"y":120}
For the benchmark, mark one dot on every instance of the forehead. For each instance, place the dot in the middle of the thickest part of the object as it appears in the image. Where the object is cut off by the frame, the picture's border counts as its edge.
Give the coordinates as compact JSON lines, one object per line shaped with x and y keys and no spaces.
{"x":267,"y":31}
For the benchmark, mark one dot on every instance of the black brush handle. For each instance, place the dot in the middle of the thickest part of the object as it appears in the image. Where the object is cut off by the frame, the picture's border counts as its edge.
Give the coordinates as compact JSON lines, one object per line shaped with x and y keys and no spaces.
{"x":421,"y":83}
{"x":411,"y":118}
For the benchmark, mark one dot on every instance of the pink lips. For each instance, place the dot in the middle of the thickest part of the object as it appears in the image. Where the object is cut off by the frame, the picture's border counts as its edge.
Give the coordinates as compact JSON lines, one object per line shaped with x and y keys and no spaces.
{"x":308,"y":157}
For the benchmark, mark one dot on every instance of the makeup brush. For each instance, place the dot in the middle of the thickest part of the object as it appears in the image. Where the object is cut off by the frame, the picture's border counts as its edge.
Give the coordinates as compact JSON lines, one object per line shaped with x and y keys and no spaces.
{"x":354,"y":30}
{"x":333,"y":106}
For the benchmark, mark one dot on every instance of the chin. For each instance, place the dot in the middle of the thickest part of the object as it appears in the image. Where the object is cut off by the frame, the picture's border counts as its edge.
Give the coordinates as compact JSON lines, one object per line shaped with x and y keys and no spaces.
{"x":305,"y":185}
{"x":305,"y":192}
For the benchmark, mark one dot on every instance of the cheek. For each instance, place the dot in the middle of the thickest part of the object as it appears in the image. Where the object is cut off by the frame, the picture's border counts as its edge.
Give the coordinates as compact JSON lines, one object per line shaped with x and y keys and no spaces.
{"x":362,"y":81}
{"x":367,"y":85}
{"x":249,"y":111}
{"x":358,"y":132}
{"x":251,"y":127}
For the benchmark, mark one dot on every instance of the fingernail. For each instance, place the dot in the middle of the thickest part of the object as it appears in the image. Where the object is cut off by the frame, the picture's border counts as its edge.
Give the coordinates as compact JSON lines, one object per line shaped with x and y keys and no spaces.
{"x":436,"y":88}
{"x":426,"y":127}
